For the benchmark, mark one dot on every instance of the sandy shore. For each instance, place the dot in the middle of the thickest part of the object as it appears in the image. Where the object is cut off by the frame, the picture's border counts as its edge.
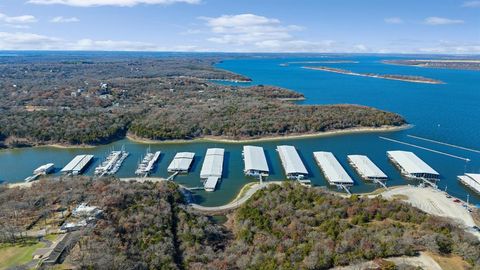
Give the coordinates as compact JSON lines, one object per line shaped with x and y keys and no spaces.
{"x":377,"y":76}
{"x":275,"y":138}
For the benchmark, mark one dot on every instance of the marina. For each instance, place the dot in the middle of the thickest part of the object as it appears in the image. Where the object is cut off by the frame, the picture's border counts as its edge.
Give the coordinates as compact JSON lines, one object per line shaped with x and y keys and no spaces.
{"x":212,"y":168}
{"x":333,"y":170}
{"x":181,"y":162}
{"x":112,"y":163}
{"x":457,"y":125}
{"x":412,"y":167}
{"x":77,"y":165}
{"x":471,"y":180}
{"x":255,"y":161}
{"x":147,"y":165}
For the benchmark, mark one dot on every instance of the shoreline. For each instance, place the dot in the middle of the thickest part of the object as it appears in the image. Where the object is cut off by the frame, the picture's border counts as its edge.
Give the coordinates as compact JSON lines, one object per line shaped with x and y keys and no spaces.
{"x":376,"y":76}
{"x":347,"y":131}
{"x":133,"y":138}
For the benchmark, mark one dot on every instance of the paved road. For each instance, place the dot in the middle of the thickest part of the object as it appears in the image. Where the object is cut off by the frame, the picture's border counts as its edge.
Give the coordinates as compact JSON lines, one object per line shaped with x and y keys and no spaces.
{"x":234,"y":204}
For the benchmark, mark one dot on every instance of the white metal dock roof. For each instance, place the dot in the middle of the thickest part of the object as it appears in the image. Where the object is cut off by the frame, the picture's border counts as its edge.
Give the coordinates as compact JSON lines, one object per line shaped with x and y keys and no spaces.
{"x":474,"y":176}
{"x":213,"y":163}
{"x":254,"y":158}
{"x":211,"y":183}
{"x":181,"y":161}
{"x":471,"y":180}
{"x":411,"y":163}
{"x":366,"y":167}
{"x":73,"y":163}
{"x":85,"y":160}
{"x":333,"y":170}
{"x":291,"y":161}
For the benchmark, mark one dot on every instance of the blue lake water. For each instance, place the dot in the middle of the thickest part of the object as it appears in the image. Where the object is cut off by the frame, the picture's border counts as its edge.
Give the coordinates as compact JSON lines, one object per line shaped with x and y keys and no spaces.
{"x":447,"y":112}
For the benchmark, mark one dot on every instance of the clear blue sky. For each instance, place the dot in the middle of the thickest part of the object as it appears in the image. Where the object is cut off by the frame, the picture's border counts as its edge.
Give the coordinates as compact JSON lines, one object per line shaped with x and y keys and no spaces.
{"x":398,"y":26}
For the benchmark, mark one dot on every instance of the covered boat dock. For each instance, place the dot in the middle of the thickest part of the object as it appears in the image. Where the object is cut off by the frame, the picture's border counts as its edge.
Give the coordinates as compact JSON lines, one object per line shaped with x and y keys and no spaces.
{"x":181,"y":162}
{"x":255,"y":161}
{"x":291,"y":161}
{"x":332,"y":169}
{"x":212,"y":168}
{"x":77,"y":165}
{"x":413,"y":167}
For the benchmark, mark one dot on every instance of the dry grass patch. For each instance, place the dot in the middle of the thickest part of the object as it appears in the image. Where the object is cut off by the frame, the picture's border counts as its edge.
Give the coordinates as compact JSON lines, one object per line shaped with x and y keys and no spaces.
{"x":450,"y":262}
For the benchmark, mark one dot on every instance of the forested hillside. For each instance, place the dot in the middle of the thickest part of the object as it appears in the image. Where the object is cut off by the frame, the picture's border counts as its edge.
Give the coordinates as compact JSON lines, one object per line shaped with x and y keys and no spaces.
{"x":148,"y":226}
{"x":96,"y":101}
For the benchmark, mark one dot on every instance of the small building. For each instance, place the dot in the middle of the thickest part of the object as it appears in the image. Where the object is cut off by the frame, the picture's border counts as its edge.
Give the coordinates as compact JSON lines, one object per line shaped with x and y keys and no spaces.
{"x":181,"y":162}
{"x":83,"y":210}
{"x":412,"y":166}
{"x":332,"y":169}
{"x":255,"y":161}
{"x":471,"y":180}
{"x":366,"y":168}
{"x":291,"y":161}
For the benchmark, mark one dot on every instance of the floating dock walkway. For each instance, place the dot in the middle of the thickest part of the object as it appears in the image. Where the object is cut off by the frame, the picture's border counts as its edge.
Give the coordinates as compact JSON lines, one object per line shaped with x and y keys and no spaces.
{"x":148,"y":163}
{"x":181,"y":162}
{"x":413,"y":167}
{"x":292,"y":164}
{"x":112,"y":163}
{"x":255,"y":162}
{"x":367,"y":169}
{"x":212,"y":168}
{"x":425,"y":148}
{"x":77,"y":165}
{"x":333,"y":170}
{"x":471,"y":180}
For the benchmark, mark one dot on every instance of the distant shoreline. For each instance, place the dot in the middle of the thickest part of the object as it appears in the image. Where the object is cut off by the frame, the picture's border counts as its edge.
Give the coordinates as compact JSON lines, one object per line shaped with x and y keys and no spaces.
{"x":378,"y":76}
{"x":275,"y":138}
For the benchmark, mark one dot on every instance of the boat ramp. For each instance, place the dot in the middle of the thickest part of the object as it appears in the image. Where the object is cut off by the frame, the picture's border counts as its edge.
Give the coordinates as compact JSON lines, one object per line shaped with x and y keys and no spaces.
{"x":212,"y":168}
{"x":77,"y":165}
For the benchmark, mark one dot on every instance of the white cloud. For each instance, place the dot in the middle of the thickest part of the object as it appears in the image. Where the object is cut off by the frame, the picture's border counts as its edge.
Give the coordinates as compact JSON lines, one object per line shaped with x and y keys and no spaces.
{"x":250,"y":32}
{"x":121,"y":3}
{"x":61,"y":19}
{"x":441,"y":21}
{"x":393,"y":20}
{"x":24,"y":19}
{"x":27,"y":41}
{"x":471,"y":4}
{"x":30,"y":41}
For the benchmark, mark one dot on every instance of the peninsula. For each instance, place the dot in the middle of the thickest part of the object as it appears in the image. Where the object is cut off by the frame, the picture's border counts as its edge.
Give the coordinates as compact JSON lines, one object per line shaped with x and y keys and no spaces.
{"x":69,"y":101}
{"x":463,"y":64}
{"x":405,"y":78}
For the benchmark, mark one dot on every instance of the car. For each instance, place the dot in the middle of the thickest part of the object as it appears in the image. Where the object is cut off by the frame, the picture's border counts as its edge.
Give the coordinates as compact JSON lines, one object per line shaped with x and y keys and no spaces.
{"x":476,"y":228}
{"x":457,"y":200}
{"x":448,"y":196}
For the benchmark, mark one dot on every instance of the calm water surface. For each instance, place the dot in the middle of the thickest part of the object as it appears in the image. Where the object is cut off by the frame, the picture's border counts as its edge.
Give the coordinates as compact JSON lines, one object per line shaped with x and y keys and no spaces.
{"x":448,"y":113}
